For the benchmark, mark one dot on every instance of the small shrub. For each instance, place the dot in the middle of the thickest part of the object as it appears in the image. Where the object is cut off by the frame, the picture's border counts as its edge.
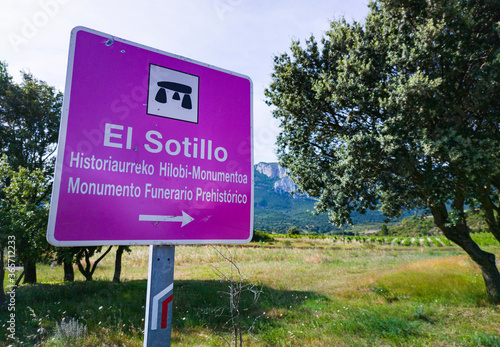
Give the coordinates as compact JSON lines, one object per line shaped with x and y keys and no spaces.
{"x":445,"y":241}
{"x":436,"y":242}
{"x":384,"y":230}
{"x":259,"y":236}
{"x":69,"y":333}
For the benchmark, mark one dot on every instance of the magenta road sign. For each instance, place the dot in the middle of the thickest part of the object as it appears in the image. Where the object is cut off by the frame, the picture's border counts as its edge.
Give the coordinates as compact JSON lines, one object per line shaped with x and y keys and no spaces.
{"x":153,"y":149}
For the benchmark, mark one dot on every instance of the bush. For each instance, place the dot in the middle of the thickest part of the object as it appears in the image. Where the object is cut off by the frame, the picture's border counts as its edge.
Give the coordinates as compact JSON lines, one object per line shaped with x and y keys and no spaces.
{"x":384,"y":230}
{"x":445,"y":241}
{"x":484,"y":239}
{"x":259,"y":236}
{"x":436,"y":242}
{"x":68,"y":333}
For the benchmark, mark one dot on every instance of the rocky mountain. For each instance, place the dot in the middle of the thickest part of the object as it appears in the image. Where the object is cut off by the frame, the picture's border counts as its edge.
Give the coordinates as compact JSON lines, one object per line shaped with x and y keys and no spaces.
{"x":282,"y":183}
{"x":271,"y":170}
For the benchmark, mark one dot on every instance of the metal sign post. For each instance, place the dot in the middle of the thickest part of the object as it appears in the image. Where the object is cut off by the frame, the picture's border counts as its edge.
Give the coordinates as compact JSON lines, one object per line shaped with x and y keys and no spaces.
{"x":158,"y":322}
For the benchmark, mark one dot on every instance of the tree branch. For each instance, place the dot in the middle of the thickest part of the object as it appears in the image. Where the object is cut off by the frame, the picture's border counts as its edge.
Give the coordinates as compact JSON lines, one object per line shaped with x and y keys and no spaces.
{"x":99,"y":259}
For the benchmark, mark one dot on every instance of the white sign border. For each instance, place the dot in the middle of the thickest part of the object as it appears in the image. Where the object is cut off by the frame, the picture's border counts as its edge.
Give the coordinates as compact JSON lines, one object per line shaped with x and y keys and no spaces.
{"x":54,"y":203}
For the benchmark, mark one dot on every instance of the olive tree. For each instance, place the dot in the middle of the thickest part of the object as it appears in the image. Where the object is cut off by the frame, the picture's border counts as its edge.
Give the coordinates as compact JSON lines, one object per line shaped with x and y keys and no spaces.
{"x":400,"y":111}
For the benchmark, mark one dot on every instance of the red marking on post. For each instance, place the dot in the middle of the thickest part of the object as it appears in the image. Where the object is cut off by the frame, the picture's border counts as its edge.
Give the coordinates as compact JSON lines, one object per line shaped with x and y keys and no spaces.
{"x":164,"y":311}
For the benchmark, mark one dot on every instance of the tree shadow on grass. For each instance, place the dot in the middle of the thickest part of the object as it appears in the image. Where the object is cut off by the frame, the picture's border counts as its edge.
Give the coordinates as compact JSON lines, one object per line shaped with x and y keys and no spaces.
{"x":205,"y":303}
{"x":121,"y":306}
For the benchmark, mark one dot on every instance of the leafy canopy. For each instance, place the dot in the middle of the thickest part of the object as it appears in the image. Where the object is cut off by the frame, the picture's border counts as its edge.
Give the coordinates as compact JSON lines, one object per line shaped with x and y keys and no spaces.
{"x":401,"y":110}
{"x":29,"y":121}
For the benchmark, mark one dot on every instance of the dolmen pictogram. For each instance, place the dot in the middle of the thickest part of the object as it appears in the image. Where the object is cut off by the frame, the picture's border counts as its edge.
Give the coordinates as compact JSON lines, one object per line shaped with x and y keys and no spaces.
{"x":177,"y":88}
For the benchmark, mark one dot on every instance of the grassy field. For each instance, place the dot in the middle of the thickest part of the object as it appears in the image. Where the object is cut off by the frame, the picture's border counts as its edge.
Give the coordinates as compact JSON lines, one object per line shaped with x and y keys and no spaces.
{"x":310,"y":296}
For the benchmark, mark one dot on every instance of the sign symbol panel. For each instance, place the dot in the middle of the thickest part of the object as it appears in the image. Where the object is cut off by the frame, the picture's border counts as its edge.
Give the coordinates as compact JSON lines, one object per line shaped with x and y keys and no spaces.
{"x":165,"y":89}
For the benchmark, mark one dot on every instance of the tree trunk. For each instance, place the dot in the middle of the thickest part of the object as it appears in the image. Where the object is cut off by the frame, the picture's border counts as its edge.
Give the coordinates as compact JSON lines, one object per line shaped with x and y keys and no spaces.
{"x":89,"y":269}
{"x":85,"y":271}
{"x":29,"y":271}
{"x":69,"y":272}
{"x":459,"y":234}
{"x":487,"y":263}
{"x":118,"y":263}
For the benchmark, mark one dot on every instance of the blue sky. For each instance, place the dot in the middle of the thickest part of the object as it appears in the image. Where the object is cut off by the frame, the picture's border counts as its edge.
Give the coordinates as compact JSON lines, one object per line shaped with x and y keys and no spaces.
{"x":237,"y":35}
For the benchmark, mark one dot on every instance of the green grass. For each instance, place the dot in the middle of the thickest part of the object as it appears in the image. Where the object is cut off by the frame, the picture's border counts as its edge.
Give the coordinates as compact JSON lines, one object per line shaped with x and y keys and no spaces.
{"x":310,"y":297}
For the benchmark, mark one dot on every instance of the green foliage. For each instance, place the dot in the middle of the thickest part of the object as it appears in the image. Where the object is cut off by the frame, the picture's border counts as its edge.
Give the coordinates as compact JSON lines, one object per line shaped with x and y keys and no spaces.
{"x":413,"y":226}
{"x":485,"y":239}
{"x":293,"y":231}
{"x":259,"y":236}
{"x":446,"y":241}
{"x":384,"y":231}
{"x":24,"y":209}
{"x":400,"y":110}
{"x":436,"y":242}
{"x":407,"y":242}
{"x":29,"y":120}
{"x":29,"y":124}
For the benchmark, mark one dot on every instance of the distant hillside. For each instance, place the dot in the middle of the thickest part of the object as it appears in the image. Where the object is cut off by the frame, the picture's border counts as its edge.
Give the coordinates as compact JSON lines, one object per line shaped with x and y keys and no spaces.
{"x":413,"y":226}
{"x":276,"y":209}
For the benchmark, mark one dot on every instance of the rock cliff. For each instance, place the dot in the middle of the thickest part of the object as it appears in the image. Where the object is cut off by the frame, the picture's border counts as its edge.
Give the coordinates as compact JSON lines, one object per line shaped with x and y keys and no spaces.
{"x":282,"y":183}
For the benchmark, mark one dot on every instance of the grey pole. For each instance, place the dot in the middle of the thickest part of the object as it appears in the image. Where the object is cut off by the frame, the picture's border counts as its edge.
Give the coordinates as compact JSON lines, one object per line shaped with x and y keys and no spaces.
{"x":158,"y":322}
